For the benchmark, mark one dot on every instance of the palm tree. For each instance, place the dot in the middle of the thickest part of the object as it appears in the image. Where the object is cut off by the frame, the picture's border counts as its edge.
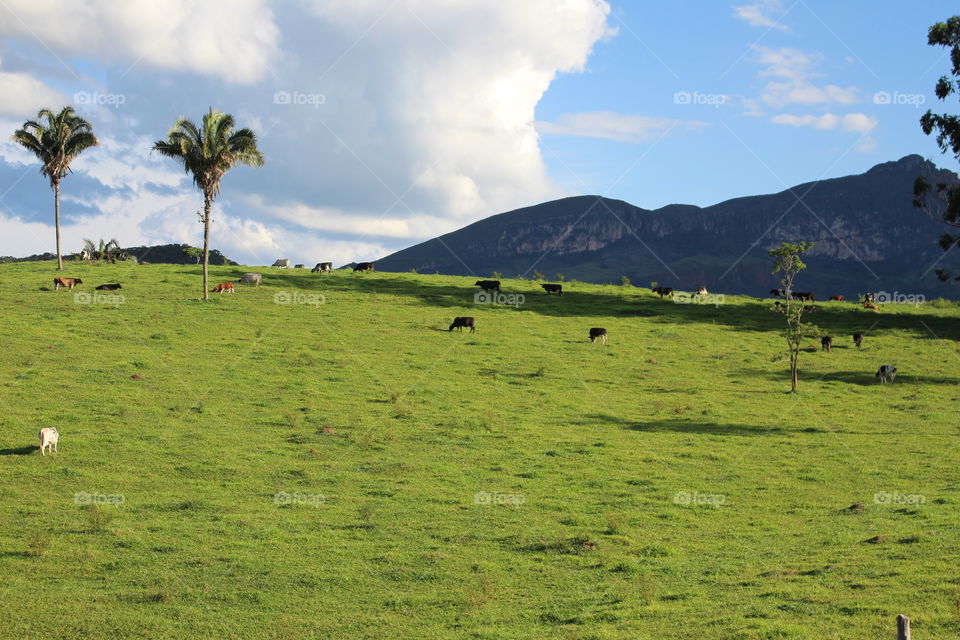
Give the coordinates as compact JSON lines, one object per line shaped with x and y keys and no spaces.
{"x":56,"y":139}
{"x":106,"y":250}
{"x":208,"y":152}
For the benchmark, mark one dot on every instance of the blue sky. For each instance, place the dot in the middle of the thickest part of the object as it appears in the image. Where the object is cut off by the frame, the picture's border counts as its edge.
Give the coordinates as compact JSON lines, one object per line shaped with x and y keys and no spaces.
{"x":387,"y":122}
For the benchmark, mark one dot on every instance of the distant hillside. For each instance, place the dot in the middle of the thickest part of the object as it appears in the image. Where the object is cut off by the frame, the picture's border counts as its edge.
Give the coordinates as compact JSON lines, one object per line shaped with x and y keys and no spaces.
{"x":158,"y":254}
{"x":868,"y":237}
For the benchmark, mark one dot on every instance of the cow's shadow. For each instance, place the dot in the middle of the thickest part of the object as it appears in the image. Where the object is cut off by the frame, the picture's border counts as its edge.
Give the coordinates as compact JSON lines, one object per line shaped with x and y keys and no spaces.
{"x":18,"y":451}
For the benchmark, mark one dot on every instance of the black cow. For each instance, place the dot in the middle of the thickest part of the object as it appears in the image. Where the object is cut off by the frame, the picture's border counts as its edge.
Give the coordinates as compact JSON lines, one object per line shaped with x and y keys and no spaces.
{"x":598,"y":332}
{"x":108,"y":287}
{"x":663,"y":291}
{"x":323,"y":267}
{"x":488,"y":285}
{"x":364,"y":266}
{"x":826,"y":343}
{"x":887,"y":373}
{"x":805,"y":295}
{"x":778,"y":293}
{"x":553,"y":288}
{"x":858,"y":340}
{"x":462,"y":321}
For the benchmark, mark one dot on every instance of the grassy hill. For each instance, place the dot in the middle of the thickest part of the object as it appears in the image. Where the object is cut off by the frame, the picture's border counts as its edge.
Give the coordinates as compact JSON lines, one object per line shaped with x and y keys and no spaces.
{"x":319,"y":457}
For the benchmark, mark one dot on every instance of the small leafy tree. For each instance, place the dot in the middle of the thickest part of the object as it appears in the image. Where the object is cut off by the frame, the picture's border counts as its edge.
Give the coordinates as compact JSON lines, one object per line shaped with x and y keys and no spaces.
{"x":194,"y":252}
{"x":788,"y":264}
{"x":624,"y":281}
{"x":560,"y":277}
{"x":941,"y":201}
{"x":538,"y":276}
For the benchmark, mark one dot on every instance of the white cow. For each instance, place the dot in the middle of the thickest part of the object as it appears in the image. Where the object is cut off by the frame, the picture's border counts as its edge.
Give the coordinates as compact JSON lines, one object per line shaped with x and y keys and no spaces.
{"x":251,"y":278}
{"x":48,"y":439}
{"x":282,"y":262}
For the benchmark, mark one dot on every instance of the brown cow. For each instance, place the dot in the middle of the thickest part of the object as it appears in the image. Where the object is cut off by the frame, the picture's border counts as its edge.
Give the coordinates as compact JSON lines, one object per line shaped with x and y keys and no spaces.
{"x":837,"y":298}
{"x":69,"y":283}
{"x":462,"y":321}
{"x":224,"y":286}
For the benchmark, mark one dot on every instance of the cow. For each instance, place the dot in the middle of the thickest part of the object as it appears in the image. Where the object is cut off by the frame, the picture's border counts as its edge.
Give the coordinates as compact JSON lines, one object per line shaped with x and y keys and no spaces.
{"x":809,"y":296}
{"x":871,"y":306}
{"x":887,"y":373}
{"x":323,"y":267}
{"x":282,"y":262}
{"x":48,"y":440}
{"x":826,"y":343}
{"x":69,"y":283}
{"x":701,"y":292}
{"x":837,"y":298}
{"x":778,"y":293}
{"x":298,"y":266}
{"x":84,"y":255}
{"x":108,"y":287}
{"x":869,"y":297}
{"x":553,"y":288}
{"x":663,"y":291}
{"x":598,"y":332}
{"x":364,"y":266}
{"x":248,"y":278}
{"x":462,"y":321}
{"x":224,"y":286}
{"x":858,"y":340}
{"x":488,"y":285}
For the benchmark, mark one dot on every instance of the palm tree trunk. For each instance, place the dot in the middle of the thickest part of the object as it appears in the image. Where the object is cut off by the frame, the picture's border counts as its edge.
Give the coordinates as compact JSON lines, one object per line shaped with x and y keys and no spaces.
{"x":56,"y":215}
{"x":206,"y":246}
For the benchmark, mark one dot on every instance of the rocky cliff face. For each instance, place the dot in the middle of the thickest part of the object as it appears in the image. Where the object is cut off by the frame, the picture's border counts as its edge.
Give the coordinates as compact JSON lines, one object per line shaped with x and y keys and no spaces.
{"x":868,"y":237}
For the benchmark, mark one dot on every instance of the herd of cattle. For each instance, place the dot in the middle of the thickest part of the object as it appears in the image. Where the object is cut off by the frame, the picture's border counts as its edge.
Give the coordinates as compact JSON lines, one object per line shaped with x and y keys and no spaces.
{"x":886,"y":373}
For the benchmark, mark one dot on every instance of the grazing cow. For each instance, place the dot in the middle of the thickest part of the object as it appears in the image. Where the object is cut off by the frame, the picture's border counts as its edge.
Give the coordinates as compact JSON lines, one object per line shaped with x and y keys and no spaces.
{"x":84,"y":255}
{"x":871,"y":306}
{"x":462,"y":321}
{"x":282,"y":262}
{"x":869,"y":297}
{"x":858,"y":340}
{"x":553,"y":288}
{"x":663,"y":291}
{"x":488,"y":285}
{"x":69,"y":283}
{"x":108,"y":287}
{"x":887,"y":373}
{"x":701,"y":292}
{"x":837,"y":298}
{"x":778,"y":293}
{"x":48,"y":440}
{"x":224,"y":286}
{"x":249,"y":278}
{"x":298,"y":266}
{"x":598,"y":332}
{"x":323,"y":267}
{"x":809,"y":296}
{"x":364,"y":266}
{"x":826,"y":343}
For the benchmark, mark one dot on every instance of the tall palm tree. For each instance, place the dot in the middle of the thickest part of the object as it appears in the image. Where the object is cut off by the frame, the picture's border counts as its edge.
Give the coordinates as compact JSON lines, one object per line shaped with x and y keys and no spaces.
{"x":208,"y":152}
{"x":56,"y":139}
